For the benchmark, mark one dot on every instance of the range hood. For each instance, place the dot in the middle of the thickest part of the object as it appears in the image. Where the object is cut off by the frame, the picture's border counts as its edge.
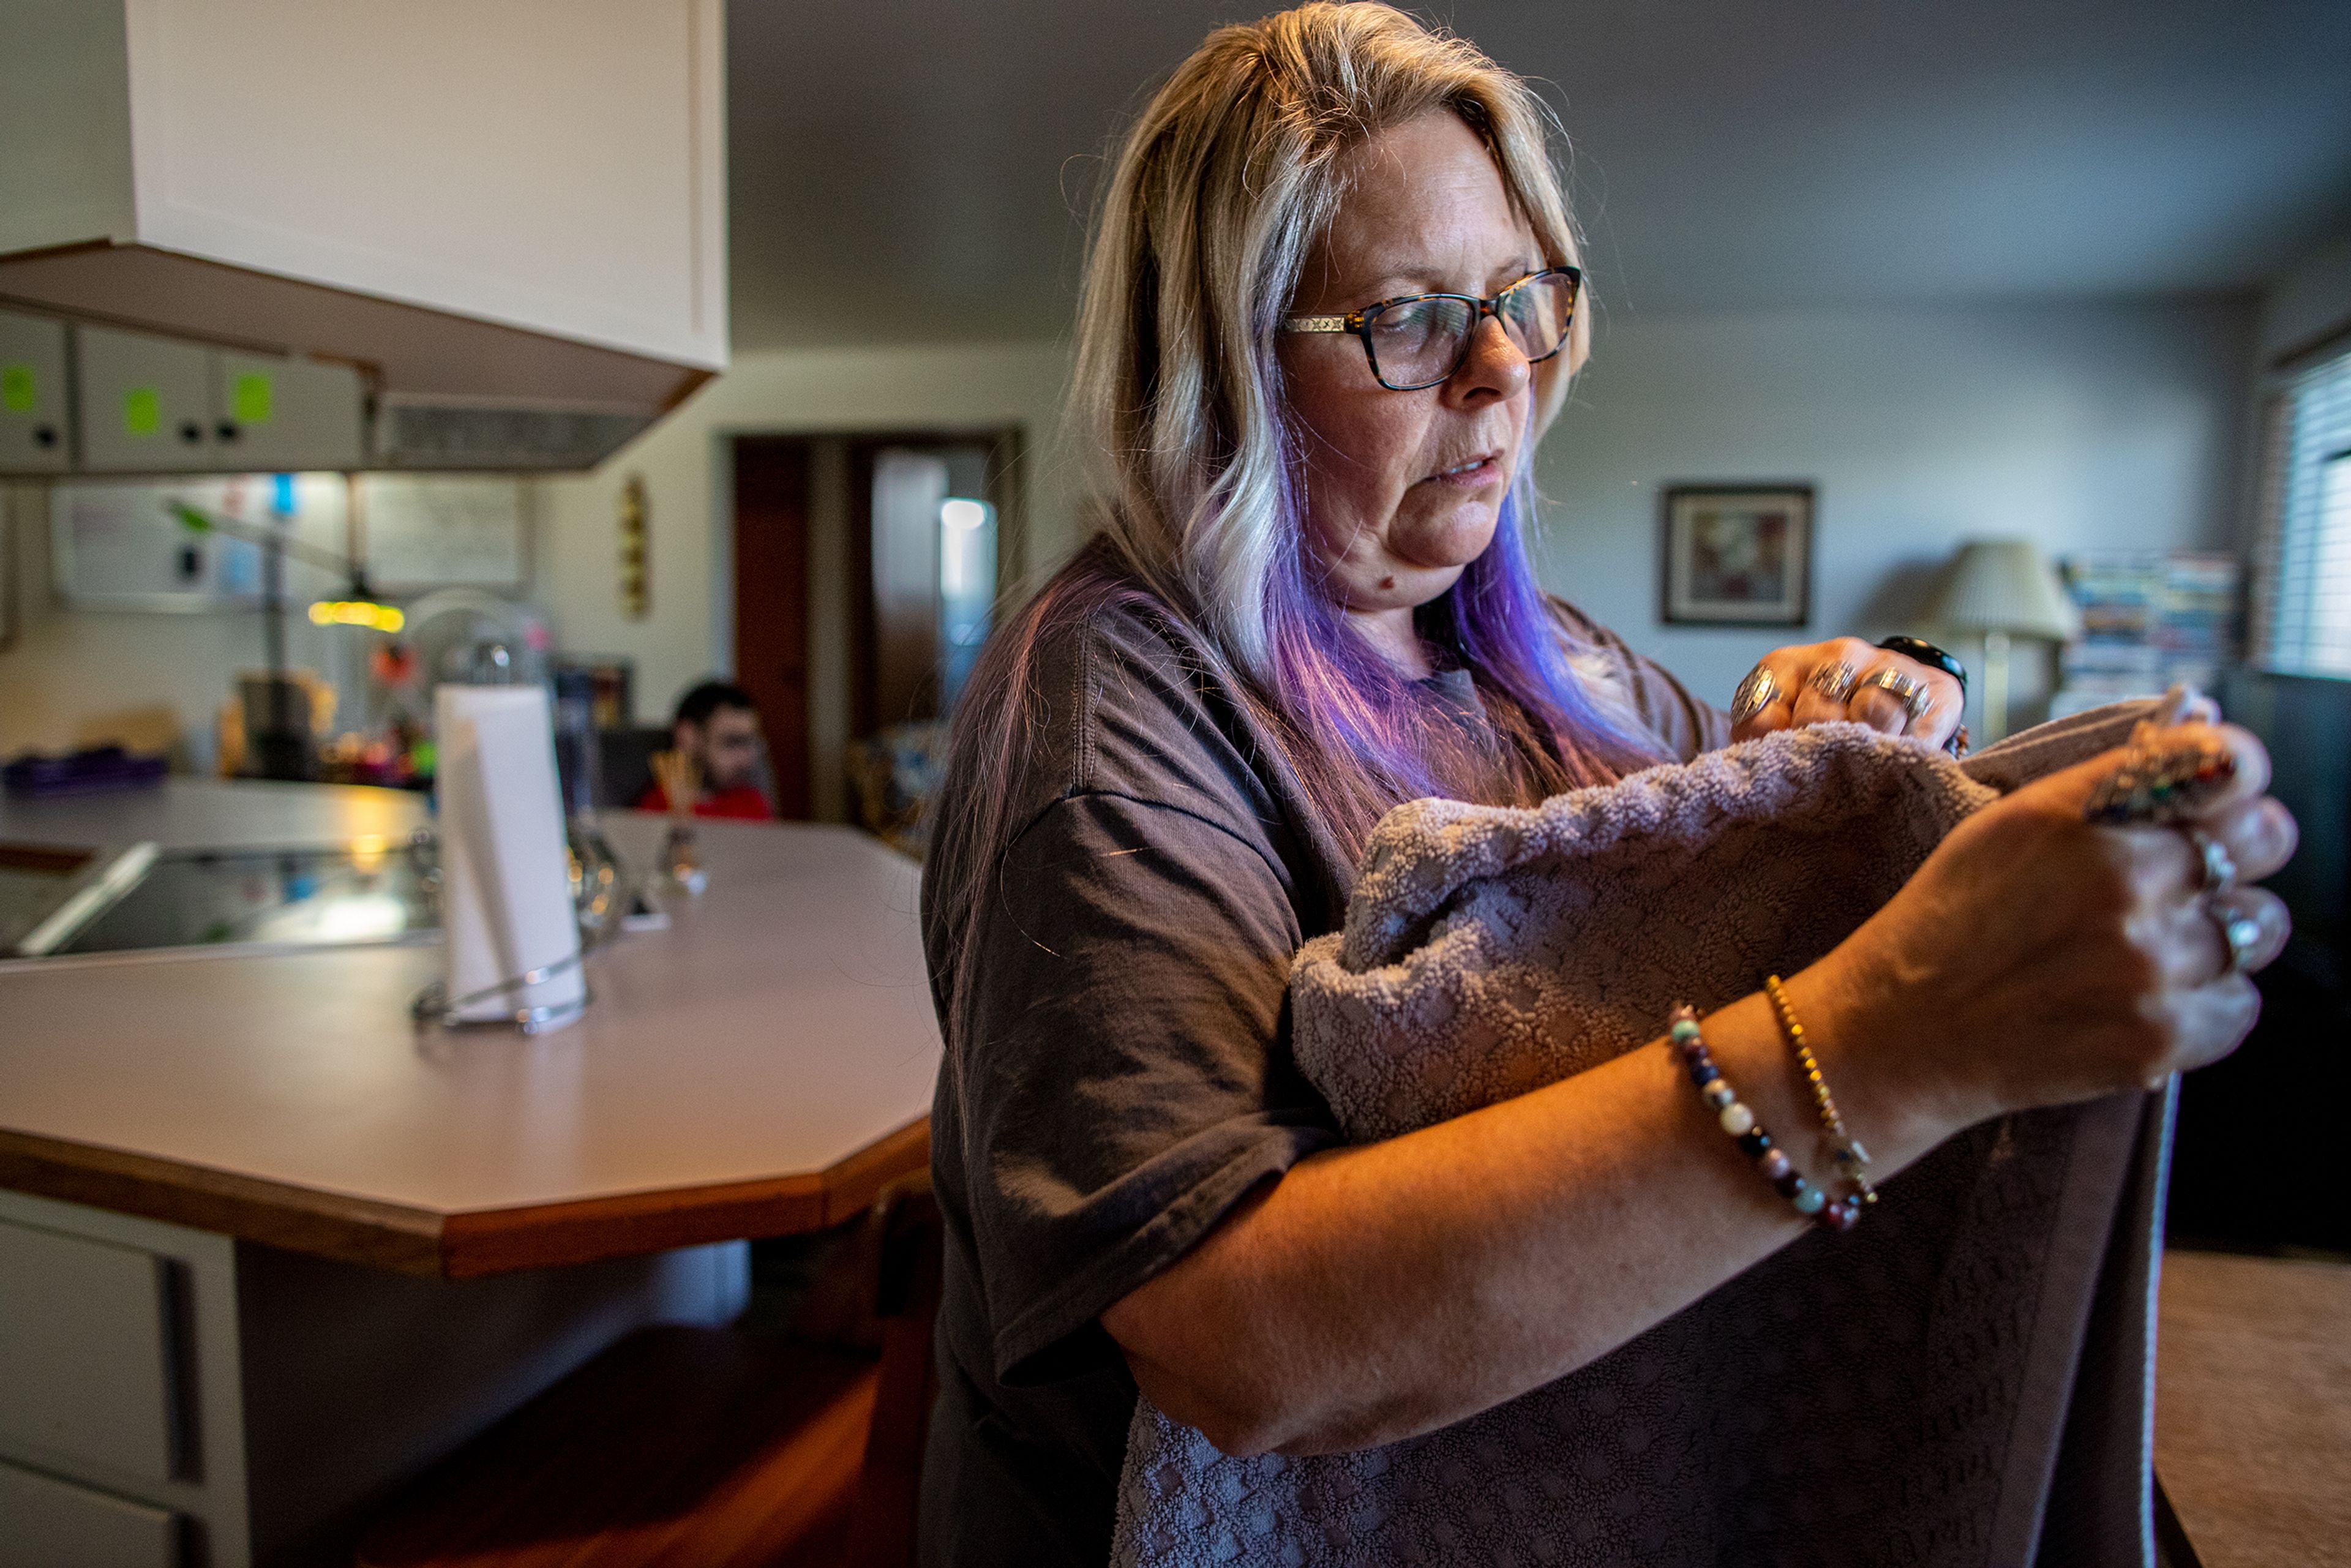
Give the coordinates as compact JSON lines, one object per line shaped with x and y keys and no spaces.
{"x":505,"y":224}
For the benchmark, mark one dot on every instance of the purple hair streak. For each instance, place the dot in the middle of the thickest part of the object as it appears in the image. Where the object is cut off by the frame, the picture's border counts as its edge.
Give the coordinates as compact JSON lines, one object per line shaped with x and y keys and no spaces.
{"x":1373,"y":739}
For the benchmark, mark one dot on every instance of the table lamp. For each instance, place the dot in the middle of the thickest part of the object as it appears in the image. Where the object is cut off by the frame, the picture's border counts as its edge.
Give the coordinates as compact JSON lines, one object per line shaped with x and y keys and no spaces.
{"x":1999,"y":590}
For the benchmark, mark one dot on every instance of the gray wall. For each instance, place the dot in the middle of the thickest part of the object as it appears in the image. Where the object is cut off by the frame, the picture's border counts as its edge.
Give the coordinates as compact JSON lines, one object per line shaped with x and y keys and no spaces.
{"x":2079,"y":425}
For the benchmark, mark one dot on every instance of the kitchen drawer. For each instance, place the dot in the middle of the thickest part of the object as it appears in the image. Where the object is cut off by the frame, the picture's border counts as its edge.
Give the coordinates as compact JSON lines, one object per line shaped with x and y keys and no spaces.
{"x":87,"y":1368}
{"x":49,"y":1523}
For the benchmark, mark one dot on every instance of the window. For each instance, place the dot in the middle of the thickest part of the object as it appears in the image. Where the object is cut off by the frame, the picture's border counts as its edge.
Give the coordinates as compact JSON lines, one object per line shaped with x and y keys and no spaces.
{"x":2302,"y":605}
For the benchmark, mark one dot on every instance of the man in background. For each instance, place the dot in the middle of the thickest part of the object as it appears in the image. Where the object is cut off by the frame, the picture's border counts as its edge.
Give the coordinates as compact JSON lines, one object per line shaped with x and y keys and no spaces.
{"x":717,"y":727}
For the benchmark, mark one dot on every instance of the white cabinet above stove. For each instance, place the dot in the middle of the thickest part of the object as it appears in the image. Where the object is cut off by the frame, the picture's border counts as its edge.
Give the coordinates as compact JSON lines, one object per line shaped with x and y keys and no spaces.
{"x":510,"y":207}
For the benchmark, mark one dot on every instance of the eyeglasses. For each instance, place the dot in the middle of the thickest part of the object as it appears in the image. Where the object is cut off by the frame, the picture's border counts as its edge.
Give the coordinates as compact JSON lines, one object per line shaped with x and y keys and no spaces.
{"x":1419,"y":340}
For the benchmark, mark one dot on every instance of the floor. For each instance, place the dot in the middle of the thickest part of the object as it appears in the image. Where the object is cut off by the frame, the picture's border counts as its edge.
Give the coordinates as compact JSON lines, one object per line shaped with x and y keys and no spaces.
{"x":2253,"y":1412}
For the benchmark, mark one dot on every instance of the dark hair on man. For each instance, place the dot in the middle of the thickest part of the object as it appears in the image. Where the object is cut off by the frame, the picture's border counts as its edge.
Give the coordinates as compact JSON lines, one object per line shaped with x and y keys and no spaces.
{"x":699,"y":704}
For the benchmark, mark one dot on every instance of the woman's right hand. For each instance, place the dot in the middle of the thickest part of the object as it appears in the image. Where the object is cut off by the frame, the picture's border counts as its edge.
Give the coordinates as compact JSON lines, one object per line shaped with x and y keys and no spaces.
{"x":2037,"y":959}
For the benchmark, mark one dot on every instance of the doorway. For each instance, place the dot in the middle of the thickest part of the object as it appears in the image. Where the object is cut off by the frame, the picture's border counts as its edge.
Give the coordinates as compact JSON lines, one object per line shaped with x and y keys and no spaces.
{"x":866,"y":570}
{"x":771,"y":608}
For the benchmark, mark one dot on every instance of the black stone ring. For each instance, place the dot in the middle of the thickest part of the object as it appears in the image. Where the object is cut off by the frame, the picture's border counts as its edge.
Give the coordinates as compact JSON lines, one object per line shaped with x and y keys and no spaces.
{"x":1926,"y":652}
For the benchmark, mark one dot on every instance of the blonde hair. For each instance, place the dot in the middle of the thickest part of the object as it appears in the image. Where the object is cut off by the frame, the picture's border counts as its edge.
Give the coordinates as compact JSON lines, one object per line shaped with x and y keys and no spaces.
{"x":1221,"y":193}
{"x":1224,"y":188}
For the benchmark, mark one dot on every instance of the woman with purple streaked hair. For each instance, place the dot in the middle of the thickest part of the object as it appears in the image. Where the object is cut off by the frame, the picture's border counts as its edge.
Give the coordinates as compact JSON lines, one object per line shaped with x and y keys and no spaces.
{"x":1333,"y":303}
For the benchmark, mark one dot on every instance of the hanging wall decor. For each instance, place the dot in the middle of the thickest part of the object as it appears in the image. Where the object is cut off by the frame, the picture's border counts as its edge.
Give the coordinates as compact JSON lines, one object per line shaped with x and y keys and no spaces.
{"x":636,"y":564}
{"x":1738,"y":554}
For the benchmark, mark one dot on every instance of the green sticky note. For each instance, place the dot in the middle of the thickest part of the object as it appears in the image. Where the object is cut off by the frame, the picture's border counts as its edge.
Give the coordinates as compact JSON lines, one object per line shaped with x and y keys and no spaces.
{"x":17,"y":389}
{"x":250,"y":399}
{"x":142,"y":411}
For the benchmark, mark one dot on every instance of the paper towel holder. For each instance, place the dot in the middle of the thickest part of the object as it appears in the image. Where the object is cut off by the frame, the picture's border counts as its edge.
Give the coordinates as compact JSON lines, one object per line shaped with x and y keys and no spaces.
{"x":433,"y":1005}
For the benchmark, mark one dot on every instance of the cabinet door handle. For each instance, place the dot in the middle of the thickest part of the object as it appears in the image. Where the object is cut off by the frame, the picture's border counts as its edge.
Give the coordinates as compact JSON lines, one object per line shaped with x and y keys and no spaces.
{"x":226,"y":430}
{"x":190,"y":432}
{"x":45,"y":436}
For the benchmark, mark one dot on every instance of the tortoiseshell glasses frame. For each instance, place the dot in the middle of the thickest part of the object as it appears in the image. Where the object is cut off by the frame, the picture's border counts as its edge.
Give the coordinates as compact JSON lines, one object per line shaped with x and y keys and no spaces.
{"x":1424,"y":330}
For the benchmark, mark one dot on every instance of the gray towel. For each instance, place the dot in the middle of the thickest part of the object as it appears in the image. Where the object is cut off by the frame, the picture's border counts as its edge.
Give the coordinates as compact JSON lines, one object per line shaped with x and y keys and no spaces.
{"x":1896,"y":1395}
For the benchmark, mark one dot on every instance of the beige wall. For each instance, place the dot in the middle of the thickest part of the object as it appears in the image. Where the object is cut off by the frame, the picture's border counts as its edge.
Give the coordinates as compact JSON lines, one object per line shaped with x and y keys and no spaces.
{"x":688,"y":632}
{"x":2081,"y":424}
{"x":73,"y":677}
{"x":80,"y":678}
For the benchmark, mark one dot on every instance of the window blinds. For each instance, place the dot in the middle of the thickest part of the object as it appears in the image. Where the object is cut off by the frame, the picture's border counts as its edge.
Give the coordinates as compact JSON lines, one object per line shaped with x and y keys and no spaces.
{"x":2303,"y":604}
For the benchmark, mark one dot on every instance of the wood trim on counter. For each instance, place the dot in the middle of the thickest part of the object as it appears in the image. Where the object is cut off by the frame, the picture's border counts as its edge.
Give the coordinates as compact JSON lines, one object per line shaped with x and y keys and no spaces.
{"x":297,"y":1219}
{"x":465,"y":1245}
{"x":540,"y":1236}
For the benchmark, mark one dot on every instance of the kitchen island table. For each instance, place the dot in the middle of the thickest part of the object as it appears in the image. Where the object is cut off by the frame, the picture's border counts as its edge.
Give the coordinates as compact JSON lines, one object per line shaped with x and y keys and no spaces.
{"x":267,"y":1248}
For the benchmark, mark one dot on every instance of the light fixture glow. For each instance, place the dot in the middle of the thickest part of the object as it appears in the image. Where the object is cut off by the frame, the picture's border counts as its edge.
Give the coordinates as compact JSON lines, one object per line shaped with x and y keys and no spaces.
{"x":962,"y":514}
{"x":357,"y":613}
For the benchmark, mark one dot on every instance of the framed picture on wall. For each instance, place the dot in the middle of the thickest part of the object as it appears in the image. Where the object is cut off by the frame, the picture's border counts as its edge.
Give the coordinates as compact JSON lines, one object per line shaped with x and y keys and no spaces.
{"x":1739,"y":555}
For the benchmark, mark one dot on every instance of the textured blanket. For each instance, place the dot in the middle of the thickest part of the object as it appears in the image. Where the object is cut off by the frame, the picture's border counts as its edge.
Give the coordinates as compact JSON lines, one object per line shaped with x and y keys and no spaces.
{"x":1962,"y":1378}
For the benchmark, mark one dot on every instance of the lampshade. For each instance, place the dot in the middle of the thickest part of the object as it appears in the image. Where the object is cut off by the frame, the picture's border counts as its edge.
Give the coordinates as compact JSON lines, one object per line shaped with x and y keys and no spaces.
{"x":2006,"y":586}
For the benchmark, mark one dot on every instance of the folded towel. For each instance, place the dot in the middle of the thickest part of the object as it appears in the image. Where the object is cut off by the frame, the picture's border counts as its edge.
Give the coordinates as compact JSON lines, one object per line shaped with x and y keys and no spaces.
{"x":1902,"y":1393}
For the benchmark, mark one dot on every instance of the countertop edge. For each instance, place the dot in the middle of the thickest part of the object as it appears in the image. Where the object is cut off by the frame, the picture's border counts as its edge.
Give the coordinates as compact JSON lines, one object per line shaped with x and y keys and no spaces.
{"x":251,"y":1208}
{"x":464,"y":1244}
{"x":539,"y":1235}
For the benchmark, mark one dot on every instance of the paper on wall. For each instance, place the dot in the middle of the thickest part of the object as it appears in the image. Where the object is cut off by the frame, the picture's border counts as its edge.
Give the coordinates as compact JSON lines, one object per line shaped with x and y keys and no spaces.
{"x":505,"y":894}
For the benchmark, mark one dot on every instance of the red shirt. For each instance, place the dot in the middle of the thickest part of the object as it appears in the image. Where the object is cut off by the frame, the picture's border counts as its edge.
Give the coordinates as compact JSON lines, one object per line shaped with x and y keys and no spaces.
{"x":744,"y":803}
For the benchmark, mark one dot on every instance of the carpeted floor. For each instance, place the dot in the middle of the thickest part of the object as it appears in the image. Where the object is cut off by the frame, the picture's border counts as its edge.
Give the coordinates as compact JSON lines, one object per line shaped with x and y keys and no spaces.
{"x":2252,"y":1413}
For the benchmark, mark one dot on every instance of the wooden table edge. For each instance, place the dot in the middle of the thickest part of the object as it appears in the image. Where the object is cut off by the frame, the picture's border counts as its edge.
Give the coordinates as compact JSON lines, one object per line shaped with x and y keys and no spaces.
{"x":202,"y":1197}
{"x":621,"y":1225}
{"x":469,"y":1243}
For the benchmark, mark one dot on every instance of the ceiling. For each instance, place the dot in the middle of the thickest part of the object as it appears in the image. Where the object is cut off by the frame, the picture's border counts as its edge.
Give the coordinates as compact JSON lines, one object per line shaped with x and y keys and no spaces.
{"x":920,"y":169}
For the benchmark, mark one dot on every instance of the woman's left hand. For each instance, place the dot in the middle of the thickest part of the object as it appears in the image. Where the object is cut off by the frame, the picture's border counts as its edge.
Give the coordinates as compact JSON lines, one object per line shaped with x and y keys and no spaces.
{"x":1846,"y":678}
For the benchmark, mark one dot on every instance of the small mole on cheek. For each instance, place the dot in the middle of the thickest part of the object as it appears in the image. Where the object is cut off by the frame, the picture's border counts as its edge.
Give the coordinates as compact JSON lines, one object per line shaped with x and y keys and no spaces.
{"x":1386,"y":583}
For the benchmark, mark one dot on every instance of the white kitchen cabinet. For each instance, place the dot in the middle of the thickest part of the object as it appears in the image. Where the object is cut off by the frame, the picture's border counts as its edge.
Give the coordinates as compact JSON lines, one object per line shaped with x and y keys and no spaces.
{"x":33,"y":436}
{"x":155,"y":405}
{"x":122,"y":1432}
{"x":48,"y":1523}
{"x":521,"y":202}
{"x":85,"y":1340}
{"x":145,"y":403}
{"x":168,"y":1397}
{"x":279,"y":415}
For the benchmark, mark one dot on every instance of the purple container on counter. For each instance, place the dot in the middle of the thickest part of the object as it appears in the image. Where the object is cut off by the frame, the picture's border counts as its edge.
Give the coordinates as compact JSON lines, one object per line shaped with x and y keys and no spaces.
{"x":91,"y":772}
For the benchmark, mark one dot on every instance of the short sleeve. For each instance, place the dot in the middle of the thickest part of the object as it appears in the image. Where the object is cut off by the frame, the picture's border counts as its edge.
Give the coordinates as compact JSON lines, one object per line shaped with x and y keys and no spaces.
{"x":1126,"y":1075}
{"x":1683,"y":723}
{"x":1687,"y":725}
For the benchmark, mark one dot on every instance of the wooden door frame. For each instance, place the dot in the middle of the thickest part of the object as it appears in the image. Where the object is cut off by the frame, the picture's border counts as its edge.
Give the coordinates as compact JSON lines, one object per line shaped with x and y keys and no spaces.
{"x":1007,"y":447}
{"x":784,"y":711}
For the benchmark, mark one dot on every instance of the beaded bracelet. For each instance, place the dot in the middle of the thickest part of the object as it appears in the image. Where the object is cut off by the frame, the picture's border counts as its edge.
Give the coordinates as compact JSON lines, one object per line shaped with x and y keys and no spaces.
{"x":1845,"y":1150}
{"x":1736,"y":1119}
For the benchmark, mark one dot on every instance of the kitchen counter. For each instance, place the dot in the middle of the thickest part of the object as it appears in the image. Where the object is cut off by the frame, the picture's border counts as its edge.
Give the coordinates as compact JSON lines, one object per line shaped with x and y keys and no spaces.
{"x":214,"y":814}
{"x":761,"y":1067}
{"x":267,"y":1248}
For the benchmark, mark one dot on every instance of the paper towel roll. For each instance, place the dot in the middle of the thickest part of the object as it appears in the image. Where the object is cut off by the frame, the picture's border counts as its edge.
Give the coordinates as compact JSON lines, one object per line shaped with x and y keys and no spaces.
{"x":506,"y":885}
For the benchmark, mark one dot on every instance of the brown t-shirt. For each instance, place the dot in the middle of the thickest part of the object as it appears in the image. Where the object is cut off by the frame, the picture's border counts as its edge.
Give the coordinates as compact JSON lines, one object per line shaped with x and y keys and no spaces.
{"x":1118,"y":1070}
